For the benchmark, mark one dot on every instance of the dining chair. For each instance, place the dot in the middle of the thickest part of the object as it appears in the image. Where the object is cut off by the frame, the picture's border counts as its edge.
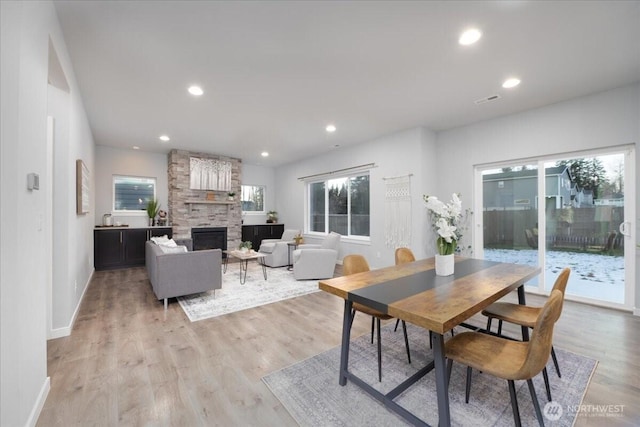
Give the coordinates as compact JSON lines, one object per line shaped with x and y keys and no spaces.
{"x":508,"y":359}
{"x":352,"y":264}
{"x":525,"y":315}
{"x":404,"y":256}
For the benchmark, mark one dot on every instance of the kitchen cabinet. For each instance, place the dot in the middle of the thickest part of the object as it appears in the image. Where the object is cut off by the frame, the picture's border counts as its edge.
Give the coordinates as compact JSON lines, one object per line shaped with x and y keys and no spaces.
{"x":122,"y":247}
{"x":258,"y":232}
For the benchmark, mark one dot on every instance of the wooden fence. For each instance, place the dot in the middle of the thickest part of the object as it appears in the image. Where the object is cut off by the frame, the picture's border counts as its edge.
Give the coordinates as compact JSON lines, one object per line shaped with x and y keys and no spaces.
{"x":583,"y":229}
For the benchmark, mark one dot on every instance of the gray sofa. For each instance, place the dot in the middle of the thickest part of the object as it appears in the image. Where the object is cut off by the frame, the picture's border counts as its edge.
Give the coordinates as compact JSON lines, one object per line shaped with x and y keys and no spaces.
{"x":177,"y":274}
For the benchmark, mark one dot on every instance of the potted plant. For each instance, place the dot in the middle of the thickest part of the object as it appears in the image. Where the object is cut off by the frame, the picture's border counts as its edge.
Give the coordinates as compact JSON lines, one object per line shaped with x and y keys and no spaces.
{"x":231,"y":194}
{"x":272,"y":217}
{"x":153,"y":207}
{"x":245,"y":246}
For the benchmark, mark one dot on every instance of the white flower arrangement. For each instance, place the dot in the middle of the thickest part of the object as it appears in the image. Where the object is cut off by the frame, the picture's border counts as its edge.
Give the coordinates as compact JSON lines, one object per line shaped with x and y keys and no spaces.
{"x":448,"y":221}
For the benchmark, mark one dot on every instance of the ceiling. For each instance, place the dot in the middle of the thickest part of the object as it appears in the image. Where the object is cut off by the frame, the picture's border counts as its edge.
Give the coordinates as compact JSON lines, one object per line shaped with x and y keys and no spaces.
{"x":276,"y":73}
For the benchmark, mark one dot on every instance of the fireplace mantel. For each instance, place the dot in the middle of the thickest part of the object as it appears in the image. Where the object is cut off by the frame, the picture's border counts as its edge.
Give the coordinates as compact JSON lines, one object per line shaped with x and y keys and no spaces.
{"x":207,"y":202}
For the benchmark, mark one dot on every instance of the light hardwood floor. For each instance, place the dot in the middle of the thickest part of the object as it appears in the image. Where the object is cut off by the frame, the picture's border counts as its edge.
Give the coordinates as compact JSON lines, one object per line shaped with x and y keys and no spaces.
{"x":127,"y":363}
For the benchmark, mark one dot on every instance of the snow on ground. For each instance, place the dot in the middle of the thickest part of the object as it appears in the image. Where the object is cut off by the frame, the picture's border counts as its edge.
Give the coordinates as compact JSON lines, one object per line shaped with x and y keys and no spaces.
{"x":592,"y":275}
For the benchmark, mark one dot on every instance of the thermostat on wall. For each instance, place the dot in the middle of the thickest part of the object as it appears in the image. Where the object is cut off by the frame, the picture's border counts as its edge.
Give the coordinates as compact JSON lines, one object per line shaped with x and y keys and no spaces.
{"x":33,"y":181}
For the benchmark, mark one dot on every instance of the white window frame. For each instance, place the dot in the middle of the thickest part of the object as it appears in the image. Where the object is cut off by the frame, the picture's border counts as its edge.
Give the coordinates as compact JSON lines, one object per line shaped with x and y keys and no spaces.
{"x":307,"y":213}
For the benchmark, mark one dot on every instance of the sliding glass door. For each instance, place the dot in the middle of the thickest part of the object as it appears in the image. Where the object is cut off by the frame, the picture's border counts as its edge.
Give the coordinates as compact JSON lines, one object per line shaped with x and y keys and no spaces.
{"x":570,"y":211}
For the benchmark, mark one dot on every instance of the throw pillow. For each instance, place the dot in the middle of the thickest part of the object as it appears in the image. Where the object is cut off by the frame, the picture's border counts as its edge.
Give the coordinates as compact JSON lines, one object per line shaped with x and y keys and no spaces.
{"x":173,"y":249}
{"x":160,"y":239}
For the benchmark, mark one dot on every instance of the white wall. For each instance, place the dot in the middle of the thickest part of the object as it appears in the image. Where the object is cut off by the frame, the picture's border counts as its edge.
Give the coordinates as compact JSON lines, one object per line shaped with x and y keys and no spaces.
{"x":410,"y":151}
{"x":115,"y":161}
{"x":26,"y":28}
{"x":601,"y":120}
{"x":260,"y":175}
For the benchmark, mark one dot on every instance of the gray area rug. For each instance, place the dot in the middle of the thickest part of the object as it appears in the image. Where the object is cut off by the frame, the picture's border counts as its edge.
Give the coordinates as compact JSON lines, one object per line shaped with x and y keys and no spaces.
{"x":311,"y":393}
{"x":256,"y":291}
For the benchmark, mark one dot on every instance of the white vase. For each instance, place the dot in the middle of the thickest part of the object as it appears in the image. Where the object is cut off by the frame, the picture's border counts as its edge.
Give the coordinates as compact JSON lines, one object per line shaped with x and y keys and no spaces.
{"x":444,"y":265}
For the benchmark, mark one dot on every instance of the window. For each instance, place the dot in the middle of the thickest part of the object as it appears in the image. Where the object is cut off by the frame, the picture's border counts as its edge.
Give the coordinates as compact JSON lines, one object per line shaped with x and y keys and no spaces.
{"x":340,"y":205}
{"x":131,"y":193}
{"x":252,"y":198}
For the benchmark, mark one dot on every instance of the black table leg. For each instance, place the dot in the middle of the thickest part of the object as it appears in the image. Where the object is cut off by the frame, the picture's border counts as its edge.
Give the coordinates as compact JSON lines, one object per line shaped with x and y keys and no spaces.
{"x":522,"y":301}
{"x":264,"y":267}
{"x":346,"y":336}
{"x":442,"y":384}
{"x":243,"y":267}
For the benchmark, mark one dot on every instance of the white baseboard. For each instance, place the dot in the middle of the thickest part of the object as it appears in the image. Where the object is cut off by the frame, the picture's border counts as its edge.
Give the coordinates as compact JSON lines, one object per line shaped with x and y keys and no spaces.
{"x":37,"y":408}
{"x":66,"y":330}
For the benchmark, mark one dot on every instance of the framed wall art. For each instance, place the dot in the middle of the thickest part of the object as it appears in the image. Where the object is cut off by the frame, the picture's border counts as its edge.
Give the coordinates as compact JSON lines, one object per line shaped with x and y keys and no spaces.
{"x":82,"y":188}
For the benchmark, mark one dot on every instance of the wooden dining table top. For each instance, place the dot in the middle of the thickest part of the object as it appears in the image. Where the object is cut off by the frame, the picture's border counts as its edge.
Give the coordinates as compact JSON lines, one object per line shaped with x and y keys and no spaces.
{"x":414,"y":293}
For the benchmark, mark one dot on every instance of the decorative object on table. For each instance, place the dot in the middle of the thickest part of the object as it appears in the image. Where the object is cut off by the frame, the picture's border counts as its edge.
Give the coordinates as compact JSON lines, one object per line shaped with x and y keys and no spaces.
{"x":446,"y":219}
{"x":162,"y":218}
{"x":298,"y":239}
{"x":211,"y":196}
{"x":153,"y":207}
{"x":397,"y":208}
{"x":245,"y":246}
{"x":107,"y":220}
{"x":272,"y":217}
{"x":230,"y":195}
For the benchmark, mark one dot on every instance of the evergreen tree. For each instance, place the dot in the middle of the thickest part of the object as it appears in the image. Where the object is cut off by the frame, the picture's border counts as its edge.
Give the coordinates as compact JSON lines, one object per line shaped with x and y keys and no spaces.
{"x":587,"y":173}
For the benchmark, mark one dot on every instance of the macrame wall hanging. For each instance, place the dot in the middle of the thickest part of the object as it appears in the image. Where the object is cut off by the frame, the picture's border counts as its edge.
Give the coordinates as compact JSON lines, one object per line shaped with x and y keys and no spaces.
{"x":397,"y":206}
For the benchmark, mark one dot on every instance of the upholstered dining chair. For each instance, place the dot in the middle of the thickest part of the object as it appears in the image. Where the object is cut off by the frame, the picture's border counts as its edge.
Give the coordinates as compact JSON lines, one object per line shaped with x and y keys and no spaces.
{"x":352,"y":264}
{"x":525,"y":315}
{"x":508,"y":359}
{"x":404,"y":255}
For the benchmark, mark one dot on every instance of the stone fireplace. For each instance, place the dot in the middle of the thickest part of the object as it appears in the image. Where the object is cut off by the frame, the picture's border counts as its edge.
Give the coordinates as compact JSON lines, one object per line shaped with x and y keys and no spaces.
{"x":197,"y":210}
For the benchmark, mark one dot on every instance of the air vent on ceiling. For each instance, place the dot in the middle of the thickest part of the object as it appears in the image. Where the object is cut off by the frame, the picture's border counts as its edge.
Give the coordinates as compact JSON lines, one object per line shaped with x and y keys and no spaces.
{"x":487,"y":99}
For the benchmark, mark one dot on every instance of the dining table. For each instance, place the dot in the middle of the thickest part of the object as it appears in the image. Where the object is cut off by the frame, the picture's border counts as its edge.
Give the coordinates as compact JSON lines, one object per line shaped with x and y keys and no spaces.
{"x":414,"y":293}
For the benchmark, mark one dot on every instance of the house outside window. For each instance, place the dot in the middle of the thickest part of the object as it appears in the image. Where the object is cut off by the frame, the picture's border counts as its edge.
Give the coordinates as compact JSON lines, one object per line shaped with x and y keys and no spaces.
{"x":340,"y":205}
{"x":132,"y":193}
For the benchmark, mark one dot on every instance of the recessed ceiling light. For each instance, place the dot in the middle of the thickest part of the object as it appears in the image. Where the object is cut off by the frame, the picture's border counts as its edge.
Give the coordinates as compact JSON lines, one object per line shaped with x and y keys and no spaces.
{"x":195,"y":90}
{"x":331,"y":128}
{"x":264,"y":154}
{"x":135,"y":147}
{"x":470,"y":36}
{"x":509,"y":83}
{"x":164,"y":138}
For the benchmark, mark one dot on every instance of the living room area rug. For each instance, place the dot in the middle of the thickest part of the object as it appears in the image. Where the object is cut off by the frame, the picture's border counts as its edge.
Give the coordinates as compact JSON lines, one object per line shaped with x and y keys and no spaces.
{"x":256,"y":291}
{"x":309,"y":390}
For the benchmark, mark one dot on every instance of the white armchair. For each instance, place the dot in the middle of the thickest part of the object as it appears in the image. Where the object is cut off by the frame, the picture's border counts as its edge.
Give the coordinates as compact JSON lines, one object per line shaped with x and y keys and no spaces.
{"x":277,"y":250}
{"x":316,"y":261}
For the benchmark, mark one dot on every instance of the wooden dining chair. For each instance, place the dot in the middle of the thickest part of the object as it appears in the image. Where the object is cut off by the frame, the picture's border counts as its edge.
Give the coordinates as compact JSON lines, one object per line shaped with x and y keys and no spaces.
{"x":508,"y":359}
{"x":352,"y":264}
{"x":525,"y":315}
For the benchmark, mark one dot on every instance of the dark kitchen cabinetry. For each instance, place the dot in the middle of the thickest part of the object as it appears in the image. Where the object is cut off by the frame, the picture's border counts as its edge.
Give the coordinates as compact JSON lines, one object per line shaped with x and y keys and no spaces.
{"x":257,"y":233}
{"x":122,"y":247}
